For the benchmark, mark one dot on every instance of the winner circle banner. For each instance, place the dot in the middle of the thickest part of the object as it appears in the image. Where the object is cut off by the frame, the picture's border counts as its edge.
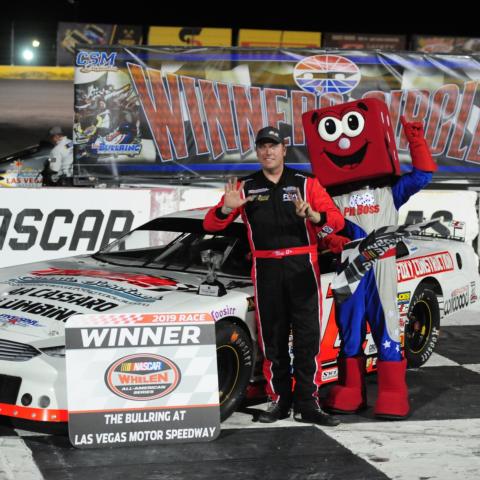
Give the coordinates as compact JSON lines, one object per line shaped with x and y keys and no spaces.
{"x":144,"y":113}
{"x":135,"y":379}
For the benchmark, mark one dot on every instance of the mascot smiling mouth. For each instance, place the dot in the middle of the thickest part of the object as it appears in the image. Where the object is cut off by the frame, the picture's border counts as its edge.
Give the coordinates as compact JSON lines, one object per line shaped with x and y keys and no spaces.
{"x":348,"y":161}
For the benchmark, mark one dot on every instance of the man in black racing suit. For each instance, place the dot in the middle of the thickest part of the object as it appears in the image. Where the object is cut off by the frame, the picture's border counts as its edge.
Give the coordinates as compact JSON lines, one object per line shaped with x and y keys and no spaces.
{"x":284,"y":210}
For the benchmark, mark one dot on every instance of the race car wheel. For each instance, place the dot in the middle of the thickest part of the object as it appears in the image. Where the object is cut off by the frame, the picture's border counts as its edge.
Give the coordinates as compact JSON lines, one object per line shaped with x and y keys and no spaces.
{"x":423,"y":327}
{"x":234,"y":362}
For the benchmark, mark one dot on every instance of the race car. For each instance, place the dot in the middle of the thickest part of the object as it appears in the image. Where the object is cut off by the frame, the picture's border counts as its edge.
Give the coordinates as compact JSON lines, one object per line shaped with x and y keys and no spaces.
{"x":159,"y":267}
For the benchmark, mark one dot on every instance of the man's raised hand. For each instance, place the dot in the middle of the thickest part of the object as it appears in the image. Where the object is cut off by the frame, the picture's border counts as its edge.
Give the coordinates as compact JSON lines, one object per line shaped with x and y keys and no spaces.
{"x":304,"y":210}
{"x":233,"y":196}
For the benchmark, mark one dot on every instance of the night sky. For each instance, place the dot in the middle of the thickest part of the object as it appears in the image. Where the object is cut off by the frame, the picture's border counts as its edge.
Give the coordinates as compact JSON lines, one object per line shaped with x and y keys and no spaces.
{"x":362,"y":17}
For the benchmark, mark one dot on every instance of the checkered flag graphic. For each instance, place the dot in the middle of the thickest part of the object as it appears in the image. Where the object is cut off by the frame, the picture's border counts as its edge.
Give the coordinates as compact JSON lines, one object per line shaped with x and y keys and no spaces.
{"x":361,"y":255}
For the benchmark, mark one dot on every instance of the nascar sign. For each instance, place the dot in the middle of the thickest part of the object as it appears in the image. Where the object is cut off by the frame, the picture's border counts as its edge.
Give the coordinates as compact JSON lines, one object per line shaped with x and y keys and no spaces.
{"x":45,"y":224}
{"x":163,"y":112}
{"x":141,"y":379}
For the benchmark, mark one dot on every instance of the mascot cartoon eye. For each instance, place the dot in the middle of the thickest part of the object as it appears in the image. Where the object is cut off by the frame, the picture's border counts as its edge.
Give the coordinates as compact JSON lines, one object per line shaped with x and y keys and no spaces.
{"x":353,"y":123}
{"x":330,"y":128}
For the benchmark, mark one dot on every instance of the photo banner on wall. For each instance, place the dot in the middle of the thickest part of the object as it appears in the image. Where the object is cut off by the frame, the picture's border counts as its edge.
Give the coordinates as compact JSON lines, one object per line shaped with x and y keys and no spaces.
{"x":364,"y":41}
{"x":445,"y":44}
{"x":72,"y":34}
{"x":278,"y":39}
{"x":190,"y":36}
{"x":147,"y":113}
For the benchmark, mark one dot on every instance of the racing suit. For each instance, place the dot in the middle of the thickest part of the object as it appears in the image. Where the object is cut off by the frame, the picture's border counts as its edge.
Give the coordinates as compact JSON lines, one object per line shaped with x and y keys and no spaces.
{"x":285,"y":275}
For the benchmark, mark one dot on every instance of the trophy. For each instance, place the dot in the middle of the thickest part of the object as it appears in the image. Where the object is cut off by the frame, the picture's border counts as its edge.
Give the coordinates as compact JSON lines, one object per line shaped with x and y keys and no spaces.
{"x":211,"y":285}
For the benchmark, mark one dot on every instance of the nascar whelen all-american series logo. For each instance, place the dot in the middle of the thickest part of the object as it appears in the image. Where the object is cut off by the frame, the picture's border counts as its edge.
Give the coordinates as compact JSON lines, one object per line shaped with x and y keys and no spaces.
{"x":321,"y":74}
{"x":142,"y":377}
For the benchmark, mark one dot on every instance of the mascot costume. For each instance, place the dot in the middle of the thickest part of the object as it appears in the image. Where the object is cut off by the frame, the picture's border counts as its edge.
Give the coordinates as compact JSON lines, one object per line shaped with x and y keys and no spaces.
{"x":353,"y":154}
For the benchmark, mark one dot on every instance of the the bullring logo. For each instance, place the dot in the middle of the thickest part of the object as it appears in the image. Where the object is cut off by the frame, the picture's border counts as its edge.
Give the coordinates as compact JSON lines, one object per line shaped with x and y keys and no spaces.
{"x":322,"y":74}
{"x":142,"y":377}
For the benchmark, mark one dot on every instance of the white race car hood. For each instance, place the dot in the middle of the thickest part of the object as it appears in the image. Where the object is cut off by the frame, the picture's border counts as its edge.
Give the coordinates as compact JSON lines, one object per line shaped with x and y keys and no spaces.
{"x":36,"y":299}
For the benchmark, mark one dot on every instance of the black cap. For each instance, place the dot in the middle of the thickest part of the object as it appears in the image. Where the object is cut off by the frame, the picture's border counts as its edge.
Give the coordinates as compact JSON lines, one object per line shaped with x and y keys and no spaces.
{"x":269,"y":134}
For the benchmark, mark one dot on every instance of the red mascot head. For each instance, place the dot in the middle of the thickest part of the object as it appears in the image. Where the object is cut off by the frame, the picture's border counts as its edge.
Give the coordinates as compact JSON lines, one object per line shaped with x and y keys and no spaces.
{"x":351,"y":142}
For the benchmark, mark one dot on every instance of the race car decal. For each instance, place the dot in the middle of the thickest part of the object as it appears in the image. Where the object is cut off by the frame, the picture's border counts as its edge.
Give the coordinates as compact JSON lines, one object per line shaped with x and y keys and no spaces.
{"x":459,"y":299}
{"x":226,"y":311}
{"x":421,"y":266}
{"x":473,"y":292}
{"x":49,"y":310}
{"x":52,"y":310}
{"x":403,"y":297}
{"x":329,"y":374}
{"x":6,"y":319}
{"x":74,"y":298}
{"x":107,"y":289}
{"x":137,"y":279}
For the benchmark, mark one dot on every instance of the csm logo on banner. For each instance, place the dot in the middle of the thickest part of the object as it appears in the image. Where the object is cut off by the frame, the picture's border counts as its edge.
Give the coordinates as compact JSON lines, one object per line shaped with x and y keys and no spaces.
{"x":92,"y":60}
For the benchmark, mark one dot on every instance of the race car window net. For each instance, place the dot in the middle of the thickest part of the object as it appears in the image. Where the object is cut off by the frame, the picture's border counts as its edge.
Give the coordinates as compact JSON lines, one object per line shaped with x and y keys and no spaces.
{"x":161,"y":247}
{"x":447,"y":229}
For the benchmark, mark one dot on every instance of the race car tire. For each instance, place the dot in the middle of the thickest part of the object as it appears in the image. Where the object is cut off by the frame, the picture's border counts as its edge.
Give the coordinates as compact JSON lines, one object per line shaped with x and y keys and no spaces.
{"x":234,"y":362}
{"x":423,"y":327}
